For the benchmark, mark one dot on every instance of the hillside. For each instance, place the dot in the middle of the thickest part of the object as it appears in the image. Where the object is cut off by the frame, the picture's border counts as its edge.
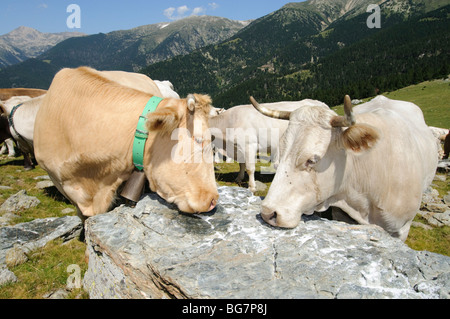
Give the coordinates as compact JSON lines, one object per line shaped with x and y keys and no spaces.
{"x":306,"y":50}
{"x":341,"y":61}
{"x":239,"y":58}
{"x":132,"y":49}
{"x":24,"y":43}
{"x":127,"y":50}
{"x":431,"y":96}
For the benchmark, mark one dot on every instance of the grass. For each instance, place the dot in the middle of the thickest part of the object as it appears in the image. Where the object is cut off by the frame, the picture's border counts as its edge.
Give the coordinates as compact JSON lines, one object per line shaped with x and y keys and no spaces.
{"x":436,"y":240}
{"x":433,"y":97}
{"x":14,"y":176}
{"x":46,"y":269}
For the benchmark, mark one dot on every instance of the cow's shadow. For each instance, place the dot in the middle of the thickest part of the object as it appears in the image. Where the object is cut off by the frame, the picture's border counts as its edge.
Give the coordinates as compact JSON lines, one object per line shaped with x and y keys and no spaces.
{"x":53,"y":193}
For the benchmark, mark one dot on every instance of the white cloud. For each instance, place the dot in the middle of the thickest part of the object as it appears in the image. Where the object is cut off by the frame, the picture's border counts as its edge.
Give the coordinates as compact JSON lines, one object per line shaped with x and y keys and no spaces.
{"x":213,"y":5}
{"x":184,"y":11}
{"x":169,"y":12}
{"x":198,"y":11}
{"x":43,"y":6}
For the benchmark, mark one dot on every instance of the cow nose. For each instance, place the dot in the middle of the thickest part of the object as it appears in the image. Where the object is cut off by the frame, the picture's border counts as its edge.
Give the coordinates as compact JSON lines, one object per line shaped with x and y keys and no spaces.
{"x":213,"y":204}
{"x":269,"y":216}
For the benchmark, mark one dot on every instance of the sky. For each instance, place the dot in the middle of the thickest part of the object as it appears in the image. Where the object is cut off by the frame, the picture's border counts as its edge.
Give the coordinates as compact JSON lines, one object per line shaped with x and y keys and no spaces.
{"x":95,"y":16}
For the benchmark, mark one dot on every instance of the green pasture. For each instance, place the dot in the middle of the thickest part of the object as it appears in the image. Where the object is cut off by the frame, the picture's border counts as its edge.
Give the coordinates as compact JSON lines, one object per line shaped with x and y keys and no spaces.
{"x":433,"y":97}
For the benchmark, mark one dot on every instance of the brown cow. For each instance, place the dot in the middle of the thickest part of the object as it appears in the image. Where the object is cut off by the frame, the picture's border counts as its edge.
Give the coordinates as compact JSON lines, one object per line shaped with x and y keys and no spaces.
{"x":84,"y":133}
{"x":6,"y":94}
{"x":447,"y":146}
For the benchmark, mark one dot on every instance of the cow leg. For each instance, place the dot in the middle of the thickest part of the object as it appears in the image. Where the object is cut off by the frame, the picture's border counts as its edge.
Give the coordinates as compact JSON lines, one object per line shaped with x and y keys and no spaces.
{"x":99,"y":203}
{"x":28,"y":164}
{"x":250,"y":163}
{"x":251,"y":177}
{"x":8,"y":146}
{"x":104,"y":199}
{"x":241,"y":175}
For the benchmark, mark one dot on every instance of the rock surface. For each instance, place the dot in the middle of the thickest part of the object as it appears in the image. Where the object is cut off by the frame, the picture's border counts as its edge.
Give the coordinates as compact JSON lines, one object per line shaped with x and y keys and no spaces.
{"x":18,"y":202}
{"x":153,"y":251}
{"x":444,"y":166}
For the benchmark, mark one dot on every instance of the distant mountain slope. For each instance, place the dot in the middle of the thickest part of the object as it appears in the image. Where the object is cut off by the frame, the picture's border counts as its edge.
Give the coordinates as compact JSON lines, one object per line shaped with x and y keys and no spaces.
{"x":32,"y":73}
{"x":281,"y":56}
{"x":347,"y":58}
{"x":24,"y":43}
{"x":127,"y":50}
{"x":255,"y":48}
{"x":217,"y":67}
{"x":132,"y":49}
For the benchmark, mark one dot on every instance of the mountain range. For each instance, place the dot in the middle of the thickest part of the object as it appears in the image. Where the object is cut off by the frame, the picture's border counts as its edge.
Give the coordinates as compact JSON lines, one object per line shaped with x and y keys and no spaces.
{"x":319,"y":49}
{"x":24,"y":43}
{"x":130,"y":50}
{"x":316,"y":49}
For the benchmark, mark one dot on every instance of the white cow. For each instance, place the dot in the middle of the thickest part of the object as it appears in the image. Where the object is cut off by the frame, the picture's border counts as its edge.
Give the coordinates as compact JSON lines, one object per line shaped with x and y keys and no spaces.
{"x":22,"y":124}
{"x":22,"y":143}
{"x":242,"y":132}
{"x":167,"y":89}
{"x":373,"y":164}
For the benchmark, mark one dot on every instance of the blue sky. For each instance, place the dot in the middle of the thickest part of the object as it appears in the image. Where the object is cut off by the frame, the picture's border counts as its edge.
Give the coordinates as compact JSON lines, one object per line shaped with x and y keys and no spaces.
{"x":106,"y":16}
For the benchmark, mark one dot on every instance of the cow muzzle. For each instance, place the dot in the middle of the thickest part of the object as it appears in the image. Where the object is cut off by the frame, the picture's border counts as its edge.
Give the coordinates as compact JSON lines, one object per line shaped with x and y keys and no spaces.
{"x":203,"y":204}
{"x":280,"y":217}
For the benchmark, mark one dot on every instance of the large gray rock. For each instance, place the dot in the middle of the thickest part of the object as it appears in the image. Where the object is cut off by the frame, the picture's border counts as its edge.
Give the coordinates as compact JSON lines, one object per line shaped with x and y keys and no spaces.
{"x":153,"y":251}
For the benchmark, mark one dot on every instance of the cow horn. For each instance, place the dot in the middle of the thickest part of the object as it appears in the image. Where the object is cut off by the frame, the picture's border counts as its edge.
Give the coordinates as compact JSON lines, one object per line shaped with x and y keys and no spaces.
{"x":349,"y":118}
{"x":281,"y":115}
{"x":191,"y":102}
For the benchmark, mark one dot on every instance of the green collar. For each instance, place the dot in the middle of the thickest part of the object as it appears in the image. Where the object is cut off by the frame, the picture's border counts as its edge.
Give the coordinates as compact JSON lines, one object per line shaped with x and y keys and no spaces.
{"x":141,"y":136}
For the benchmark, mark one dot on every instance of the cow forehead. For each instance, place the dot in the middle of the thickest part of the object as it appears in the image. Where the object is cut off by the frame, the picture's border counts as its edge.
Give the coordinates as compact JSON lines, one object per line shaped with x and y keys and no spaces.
{"x":309,"y":132}
{"x":305,"y":140}
{"x":313,"y":115}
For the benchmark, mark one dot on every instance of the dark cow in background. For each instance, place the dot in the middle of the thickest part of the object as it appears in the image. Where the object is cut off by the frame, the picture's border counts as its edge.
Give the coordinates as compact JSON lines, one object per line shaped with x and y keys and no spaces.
{"x":5,"y":133}
{"x":6,"y":94}
{"x":447,"y":146}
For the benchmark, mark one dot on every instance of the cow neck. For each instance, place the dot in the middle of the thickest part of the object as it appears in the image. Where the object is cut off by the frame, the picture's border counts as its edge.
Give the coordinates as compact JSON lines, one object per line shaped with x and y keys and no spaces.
{"x":11,"y":116}
{"x":141,"y":135}
{"x":134,"y":186}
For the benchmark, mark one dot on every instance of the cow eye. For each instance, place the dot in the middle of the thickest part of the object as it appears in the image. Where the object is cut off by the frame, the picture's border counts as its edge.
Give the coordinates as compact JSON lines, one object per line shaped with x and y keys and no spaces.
{"x":312,"y":161}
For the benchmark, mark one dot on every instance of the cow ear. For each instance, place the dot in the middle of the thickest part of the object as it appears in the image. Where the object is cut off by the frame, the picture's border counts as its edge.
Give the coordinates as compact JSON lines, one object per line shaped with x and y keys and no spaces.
{"x":360,"y":138}
{"x":165,"y":121}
